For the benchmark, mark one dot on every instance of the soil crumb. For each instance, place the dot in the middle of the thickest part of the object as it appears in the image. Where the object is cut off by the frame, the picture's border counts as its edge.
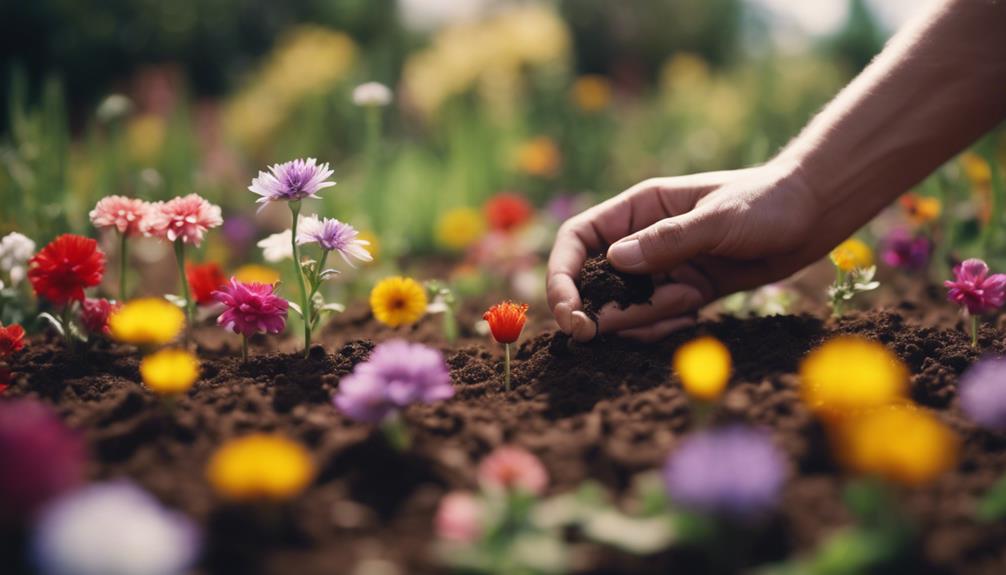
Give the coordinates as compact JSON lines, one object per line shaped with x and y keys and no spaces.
{"x":600,"y":283}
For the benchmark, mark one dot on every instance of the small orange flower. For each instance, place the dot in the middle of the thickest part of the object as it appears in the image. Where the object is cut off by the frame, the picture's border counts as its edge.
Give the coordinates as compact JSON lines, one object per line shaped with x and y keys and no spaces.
{"x":506,"y":212}
{"x":506,"y":320}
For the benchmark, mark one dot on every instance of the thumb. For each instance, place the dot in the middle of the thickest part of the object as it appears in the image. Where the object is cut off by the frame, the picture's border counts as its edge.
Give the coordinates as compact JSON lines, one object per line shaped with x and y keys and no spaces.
{"x":667,"y":243}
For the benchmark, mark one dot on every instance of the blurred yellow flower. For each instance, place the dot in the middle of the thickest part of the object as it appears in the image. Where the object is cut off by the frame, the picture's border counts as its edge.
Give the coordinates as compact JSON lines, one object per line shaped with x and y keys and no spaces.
{"x":375,"y":245}
{"x":169,"y":371}
{"x":684,"y":72}
{"x":260,"y":467}
{"x":852,"y":254}
{"x":398,"y":301}
{"x":145,"y":136}
{"x":703,"y":365}
{"x":146,"y":322}
{"x":921,"y":209}
{"x":539,"y":157}
{"x":849,"y":374}
{"x":256,"y":273}
{"x":900,"y":443}
{"x":459,"y":228}
{"x":976,"y":169}
{"x":591,"y":93}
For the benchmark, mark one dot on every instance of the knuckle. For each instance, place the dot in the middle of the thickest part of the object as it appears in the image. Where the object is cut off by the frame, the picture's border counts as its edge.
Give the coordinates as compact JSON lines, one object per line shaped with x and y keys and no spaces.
{"x":664,"y":234}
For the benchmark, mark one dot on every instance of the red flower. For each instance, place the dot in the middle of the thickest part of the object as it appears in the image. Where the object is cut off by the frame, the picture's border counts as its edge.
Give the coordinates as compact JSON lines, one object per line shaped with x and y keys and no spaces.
{"x":506,"y":320}
{"x":11,"y":339}
{"x":5,"y":378}
{"x":94,"y":315}
{"x":65,"y":267}
{"x":204,"y":279}
{"x":507,"y":212}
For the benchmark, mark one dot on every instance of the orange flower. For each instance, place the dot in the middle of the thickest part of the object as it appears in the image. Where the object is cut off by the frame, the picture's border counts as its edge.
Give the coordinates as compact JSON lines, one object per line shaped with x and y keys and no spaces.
{"x":506,"y":320}
{"x":507,"y":212}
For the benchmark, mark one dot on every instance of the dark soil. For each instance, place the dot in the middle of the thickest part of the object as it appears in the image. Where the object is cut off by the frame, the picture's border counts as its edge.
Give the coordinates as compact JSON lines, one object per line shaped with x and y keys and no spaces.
{"x":600,"y":283}
{"x":607,"y":410}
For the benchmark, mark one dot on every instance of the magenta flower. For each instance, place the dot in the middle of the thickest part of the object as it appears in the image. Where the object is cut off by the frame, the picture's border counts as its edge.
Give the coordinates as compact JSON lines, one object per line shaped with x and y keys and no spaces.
{"x":291,"y":181}
{"x":251,"y":308}
{"x":186,"y":218}
{"x":982,"y":390}
{"x":333,"y":235}
{"x":460,"y":517}
{"x":124,"y":214}
{"x":94,"y":314}
{"x":902,"y":249}
{"x":513,"y":468}
{"x":397,"y":375}
{"x":973,"y":287}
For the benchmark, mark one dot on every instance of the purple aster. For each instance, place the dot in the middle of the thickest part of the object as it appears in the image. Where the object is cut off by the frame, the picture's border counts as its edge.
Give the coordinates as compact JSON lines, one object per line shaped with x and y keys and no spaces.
{"x":397,"y":374}
{"x":251,"y":308}
{"x":982,"y":391}
{"x":973,"y":287}
{"x":333,"y":235}
{"x":39,"y":458}
{"x":110,"y":528}
{"x":290,"y":181}
{"x":902,"y":249}
{"x":735,"y":472}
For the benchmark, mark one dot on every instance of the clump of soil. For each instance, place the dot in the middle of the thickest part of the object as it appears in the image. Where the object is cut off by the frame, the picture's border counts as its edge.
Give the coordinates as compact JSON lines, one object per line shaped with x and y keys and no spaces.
{"x":600,"y":283}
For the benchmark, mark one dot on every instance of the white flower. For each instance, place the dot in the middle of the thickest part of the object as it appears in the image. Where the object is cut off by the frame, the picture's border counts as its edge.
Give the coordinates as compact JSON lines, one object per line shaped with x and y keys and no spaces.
{"x":15,"y":251}
{"x":277,"y":247}
{"x":372,"y":94}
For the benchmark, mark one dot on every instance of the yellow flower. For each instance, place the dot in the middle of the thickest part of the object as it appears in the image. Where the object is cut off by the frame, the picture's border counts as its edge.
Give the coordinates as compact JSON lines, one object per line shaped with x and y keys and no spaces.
{"x":539,"y":157}
{"x":921,"y":209}
{"x":147,"y":322}
{"x":703,"y":365}
{"x":169,"y":371}
{"x":145,"y":135}
{"x":375,"y":245}
{"x":852,"y":254}
{"x":255,"y":273}
{"x":901,"y":443}
{"x":976,"y":169}
{"x":398,"y":301}
{"x":459,"y":228}
{"x":591,"y":93}
{"x":260,"y":467}
{"x":684,"y":72}
{"x":850,"y":374}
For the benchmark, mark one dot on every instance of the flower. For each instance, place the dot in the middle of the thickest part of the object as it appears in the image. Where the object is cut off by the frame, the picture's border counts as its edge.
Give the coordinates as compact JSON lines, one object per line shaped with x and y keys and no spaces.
{"x":11,"y":339}
{"x":146,"y":322}
{"x":973,"y":287}
{"x":254,"y":273}
{"x":65,"y":267}
{"x":204,"y":279}
{"x":169,"y":371}
{"x":15,"y":251}
{"x":372,"y":94}
{"x":94,"y":313}
{"x":291,"y":181}
{"x":849,"y":374}
{"x":539,"y":157}
{"x":511,"y":468}
{"x":251,"y":308}
{"x":110,"y":528}
{"x":703,"y":365}
{"x":507,"y":212}
{"x":239,"y":231}
{"x":976,"y":169}
{"x":460,"y":517}
{"x":39,"y":458}
{"x":459,"y":228}
{"x":260,"y":467}
{"x":901,"y":443}
{"x":852,"y":254}
{"x":591,"y":92}
{"x":396,"y":375}
{"x":506,"y":320}
{"x":902,"y":249}
{"x":374,"y":244}
{"x":124,"y":214}
{"x":921,"y":209}
{"x":398,"y":301}
{"x":982,"y":390}
{"x":333,"y":235}
{"x":736,"y":472}
{"x":185,"y":218}
{"x":277,"y":247}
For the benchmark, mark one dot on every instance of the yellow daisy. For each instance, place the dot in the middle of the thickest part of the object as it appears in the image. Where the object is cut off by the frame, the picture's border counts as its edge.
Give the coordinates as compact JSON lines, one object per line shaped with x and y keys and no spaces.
{"x":398,"y":301}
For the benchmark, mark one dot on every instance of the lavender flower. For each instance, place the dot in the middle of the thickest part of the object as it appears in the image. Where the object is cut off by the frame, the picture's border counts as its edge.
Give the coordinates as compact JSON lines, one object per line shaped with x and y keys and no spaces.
{"x":397,"y":374}
{"x":291,"y":181}
{"x":973,"y":287}
{"x":735,"y":472}
{"x":113,"y":529}
{"x":983,"y":393}
{"x":902,"y":249}
{"x":251,"y":308}
{"x":333,"y":235}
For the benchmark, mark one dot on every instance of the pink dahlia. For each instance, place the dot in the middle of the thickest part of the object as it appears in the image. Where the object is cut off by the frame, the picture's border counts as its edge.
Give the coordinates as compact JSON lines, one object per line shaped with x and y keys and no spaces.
{"x":124,"y":214}
{"x":251,"y":308}
{"x":186,"y":218}
{"x":94,"y":314}
{"x":512,"y":468}
{"x":973,"y":287}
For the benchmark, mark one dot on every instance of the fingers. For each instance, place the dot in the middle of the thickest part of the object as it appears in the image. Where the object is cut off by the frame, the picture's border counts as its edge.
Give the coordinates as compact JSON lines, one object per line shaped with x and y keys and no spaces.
{"x":668,"y":302}
{"x":659,"y":330}
{"x":668,"y":243}
{"x":582,"y":328}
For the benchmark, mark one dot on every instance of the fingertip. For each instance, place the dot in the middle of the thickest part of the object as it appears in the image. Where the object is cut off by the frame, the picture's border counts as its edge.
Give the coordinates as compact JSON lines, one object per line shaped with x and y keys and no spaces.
{"x":627,"y":255}
{"x":564,"y":316}
{"x":583,"y":328}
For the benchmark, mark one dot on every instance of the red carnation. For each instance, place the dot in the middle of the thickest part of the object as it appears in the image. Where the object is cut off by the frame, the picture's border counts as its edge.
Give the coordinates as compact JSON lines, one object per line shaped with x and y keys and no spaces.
{"x":65,"y":267}
{"x":204,"y":280}
{"x":11,"y":339}
{"x":507,"y":212}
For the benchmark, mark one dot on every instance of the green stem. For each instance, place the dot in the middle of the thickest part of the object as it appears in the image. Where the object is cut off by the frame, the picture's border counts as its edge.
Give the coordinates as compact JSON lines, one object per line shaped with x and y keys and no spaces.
{"x":395,"y":432}
{"x":974,"y":331}
{"x":65,"y":318}
{"x":836,"y":301}
{"x":244,"y":348}
{"x":450,"y":325}
{"x":372,"y":150}
{"x":123,"y":258}
{"x":506,"y":366}
{"x":180,"y":256}
{"x":299,"y":272}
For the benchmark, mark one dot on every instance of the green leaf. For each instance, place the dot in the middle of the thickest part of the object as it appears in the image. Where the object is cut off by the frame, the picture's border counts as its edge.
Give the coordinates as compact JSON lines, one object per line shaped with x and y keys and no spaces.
{"x":54,"y":322}
{"x":992,"y":506}
{"x":296,"y":308}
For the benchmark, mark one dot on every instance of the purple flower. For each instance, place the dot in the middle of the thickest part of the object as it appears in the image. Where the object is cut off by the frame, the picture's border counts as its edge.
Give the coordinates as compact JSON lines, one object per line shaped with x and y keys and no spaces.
{"x":290,"y":181}
{"x":111,"y":528}
{"x":902,"y":249}
{"x":975,"y":289}
{"x":735,"y":472}
{"x":333,"y":235}
{"x":251,"y":308}
{"x":397,"y":374}
{"x":239,"y":230}
{"x":982,"y":391}
{"x":39,"y":458}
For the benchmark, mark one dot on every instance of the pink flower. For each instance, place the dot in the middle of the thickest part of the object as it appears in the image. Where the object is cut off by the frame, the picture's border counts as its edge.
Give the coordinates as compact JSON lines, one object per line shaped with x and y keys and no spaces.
{"x":186,"y":218}
{"x":459,"y":517}
{"x":973,"y":287}
{"x":509,"y":468}
{"x":94,"y":315}
{"x":251,"y":308}
{"x":124,"y":214}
